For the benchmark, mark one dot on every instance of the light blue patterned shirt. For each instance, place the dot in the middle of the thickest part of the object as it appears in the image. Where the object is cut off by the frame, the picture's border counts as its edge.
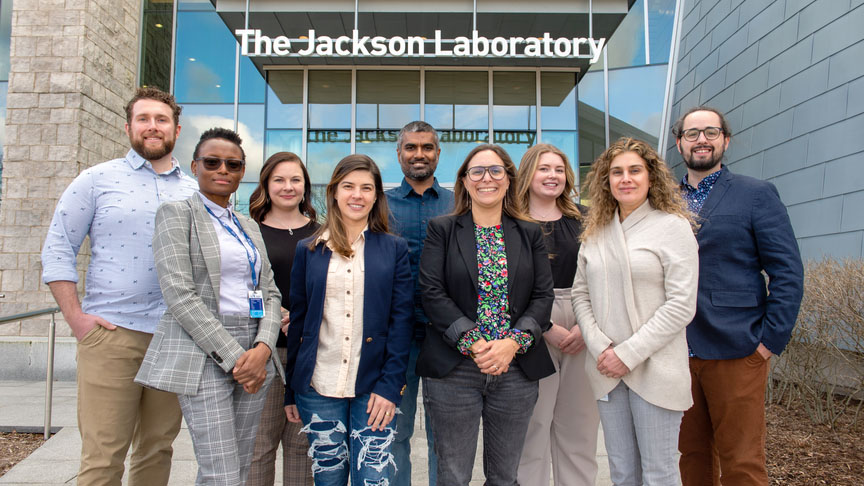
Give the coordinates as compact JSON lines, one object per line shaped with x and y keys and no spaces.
{"x":115,"y":203}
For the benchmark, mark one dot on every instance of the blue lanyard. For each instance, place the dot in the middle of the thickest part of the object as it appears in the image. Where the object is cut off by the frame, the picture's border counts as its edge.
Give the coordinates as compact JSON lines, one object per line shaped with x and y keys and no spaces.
{"x":253,"y":260}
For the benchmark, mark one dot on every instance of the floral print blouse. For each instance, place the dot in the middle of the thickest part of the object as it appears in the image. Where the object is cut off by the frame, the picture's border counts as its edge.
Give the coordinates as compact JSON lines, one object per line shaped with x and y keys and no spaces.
{"x":493,"y":317}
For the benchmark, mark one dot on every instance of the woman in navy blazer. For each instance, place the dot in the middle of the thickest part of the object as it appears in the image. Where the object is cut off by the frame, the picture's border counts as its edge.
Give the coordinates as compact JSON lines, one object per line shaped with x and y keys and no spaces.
{"x":347,"y":365}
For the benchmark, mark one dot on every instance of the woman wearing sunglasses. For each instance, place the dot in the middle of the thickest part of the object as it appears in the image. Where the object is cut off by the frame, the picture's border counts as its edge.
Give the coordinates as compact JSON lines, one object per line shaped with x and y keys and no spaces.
{"x":213,"y":345}
{"x":487,"y":289}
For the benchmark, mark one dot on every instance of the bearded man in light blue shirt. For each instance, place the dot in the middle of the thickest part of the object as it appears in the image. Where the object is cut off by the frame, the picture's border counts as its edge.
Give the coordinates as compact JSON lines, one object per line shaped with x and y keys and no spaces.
{"x":115,"y":204}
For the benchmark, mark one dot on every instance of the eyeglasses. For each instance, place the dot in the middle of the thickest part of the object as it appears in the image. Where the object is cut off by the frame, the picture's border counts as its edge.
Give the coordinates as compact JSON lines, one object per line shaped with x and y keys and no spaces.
{"x":213,"y":163}
{"x":692,"y":134}
{"x":496,"y":172}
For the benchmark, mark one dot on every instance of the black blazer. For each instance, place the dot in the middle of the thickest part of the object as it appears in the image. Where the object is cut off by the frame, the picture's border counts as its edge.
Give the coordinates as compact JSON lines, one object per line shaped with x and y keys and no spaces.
{"x":448,"y":282}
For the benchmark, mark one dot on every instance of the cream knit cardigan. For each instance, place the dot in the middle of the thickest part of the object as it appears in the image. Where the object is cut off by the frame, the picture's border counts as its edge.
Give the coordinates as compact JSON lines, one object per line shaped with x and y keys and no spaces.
{"x":635,"y":289}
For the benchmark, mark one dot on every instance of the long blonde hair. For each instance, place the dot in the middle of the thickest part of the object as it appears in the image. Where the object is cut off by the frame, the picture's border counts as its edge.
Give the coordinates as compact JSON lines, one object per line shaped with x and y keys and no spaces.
{"x":663,"y":192}
{"x":462,"y":203}
{"x":527,"y":168}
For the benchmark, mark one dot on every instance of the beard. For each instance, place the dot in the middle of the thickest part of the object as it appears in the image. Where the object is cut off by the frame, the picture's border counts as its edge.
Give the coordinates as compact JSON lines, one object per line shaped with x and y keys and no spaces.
{"x":155,"y":153}
{"x":702,"y":165}
{"x":418,"y":173}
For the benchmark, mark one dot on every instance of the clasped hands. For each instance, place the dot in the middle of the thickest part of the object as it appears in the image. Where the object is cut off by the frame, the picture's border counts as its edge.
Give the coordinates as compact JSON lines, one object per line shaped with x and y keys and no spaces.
{"x":569,"y":342}
{"x":251,"y":368}
{"x":494,"y":357}
{"x":610,"y":365}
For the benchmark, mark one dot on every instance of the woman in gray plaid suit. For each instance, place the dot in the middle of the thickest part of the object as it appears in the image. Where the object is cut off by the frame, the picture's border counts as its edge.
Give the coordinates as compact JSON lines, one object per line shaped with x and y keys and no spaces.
{"x":213,"y":345}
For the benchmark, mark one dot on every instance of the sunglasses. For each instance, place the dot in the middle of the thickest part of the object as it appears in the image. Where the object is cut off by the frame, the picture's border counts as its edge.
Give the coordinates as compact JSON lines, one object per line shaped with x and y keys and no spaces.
{"x":214,"y":163}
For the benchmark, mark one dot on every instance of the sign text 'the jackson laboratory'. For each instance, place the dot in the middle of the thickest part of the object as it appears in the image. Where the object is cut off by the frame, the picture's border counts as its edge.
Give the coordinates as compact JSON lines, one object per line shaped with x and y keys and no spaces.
{"x":252,"y":43}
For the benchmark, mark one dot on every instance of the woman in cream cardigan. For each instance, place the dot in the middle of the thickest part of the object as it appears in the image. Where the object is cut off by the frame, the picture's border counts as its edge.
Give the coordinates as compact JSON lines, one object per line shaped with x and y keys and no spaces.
{"x":634,"y":293}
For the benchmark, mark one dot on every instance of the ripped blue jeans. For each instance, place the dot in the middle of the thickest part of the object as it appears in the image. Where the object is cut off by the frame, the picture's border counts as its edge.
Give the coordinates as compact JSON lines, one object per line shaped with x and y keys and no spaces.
{"x":340,"y":442}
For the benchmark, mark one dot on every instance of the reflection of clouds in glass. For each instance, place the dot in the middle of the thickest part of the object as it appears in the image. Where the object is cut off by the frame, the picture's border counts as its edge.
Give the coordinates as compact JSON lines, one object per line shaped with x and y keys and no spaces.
{"x":323,"y":157}
{"x":195,"y":125}
{"x":513,"y":117}
{"x":636,"y":96}
{"x":472,"y":117}
{"x":201,"y":83}
{"x":384,"y":155}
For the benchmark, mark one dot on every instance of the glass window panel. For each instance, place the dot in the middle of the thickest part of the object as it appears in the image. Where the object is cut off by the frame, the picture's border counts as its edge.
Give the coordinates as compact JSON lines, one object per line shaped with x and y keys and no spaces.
{"x":283,"y":141}
{"x":457,"y":100}
{"x":566,"y":141}
{"x":250,"y":127}
{"x":627,"y":45}
{"x":330,"y":100}
{"x":558,"y":101}
{"x":195,"y":5}
{"x":204,"y":72}
{"x":661,"y":20}
{"x":592,"y":135}
{"x":5,"y":38}
{"x":381,"y":146}
{"x":455,"y":145}
{"x":241,"y":197}
{"x":515,"y":101}
{"x":155,"y":42}
{"x":387,"y":99}
{"x":195,"y":120}
{"x":324,"y":149}
{"x":636,"y":102}
{"x":285,"y":99}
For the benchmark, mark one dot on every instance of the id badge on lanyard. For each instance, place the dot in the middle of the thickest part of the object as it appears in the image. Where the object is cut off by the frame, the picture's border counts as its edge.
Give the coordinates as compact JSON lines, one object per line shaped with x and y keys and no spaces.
{"x":256,"y":304}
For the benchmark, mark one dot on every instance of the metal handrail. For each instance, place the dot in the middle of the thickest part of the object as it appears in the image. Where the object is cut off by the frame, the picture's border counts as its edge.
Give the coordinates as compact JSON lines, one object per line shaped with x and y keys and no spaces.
{"x":49,"y":372}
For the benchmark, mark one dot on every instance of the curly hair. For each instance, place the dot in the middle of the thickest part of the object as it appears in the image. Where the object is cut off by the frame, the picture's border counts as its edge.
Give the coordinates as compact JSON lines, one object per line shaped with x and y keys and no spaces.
{"x":528,"y":167}
{"x":462,"y":200}
{"x":663,"y":191}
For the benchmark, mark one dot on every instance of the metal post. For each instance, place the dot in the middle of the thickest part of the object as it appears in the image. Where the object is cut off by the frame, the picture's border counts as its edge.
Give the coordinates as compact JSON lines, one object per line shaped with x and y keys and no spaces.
{"x":671,"y":74}
{"x":49,"y":377}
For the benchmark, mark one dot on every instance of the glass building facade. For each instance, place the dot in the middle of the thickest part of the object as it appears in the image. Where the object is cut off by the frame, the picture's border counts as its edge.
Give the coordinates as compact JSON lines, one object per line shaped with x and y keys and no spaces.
{"x":328,"y":109}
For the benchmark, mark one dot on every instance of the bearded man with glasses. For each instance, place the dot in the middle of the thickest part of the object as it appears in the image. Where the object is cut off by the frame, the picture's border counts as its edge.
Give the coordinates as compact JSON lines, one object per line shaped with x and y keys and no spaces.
{"x":739,"y":324}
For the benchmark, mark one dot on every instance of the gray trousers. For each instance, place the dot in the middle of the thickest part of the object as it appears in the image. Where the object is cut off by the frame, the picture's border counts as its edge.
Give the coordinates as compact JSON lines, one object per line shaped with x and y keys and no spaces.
{"x":641,"y":440}
{"x":223,"y":418}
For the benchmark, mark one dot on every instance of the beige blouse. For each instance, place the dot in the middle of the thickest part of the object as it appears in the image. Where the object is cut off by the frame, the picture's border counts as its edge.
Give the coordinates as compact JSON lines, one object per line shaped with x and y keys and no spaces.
{"x":341,"y":334}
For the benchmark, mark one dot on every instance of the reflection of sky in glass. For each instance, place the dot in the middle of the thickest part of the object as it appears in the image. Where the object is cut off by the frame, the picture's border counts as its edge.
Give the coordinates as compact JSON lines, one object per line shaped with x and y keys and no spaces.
{"x":386,"y":115}
{"x":325,"y":148}
{"x":661,"y":16}
{"x":636,"y":96}
{"x":566,"y":141}
{"x":468,"y":117}
{"x":205,"y":62}
{"x":514,"y":117}
{"x":627,"y":45}
{"x":195,"y":5}
{"x":283,"y":141}
{"x":196,"y":119}
{"x":455,"y":145}
{"x":591,"y":89}
{"x":384,"y":154}
{"x":562,"y":115}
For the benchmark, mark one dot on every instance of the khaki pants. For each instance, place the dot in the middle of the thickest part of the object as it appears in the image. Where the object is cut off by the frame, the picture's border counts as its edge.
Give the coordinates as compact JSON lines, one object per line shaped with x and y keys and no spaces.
{"x":723,"y":435}
{"x":563,"y":428}
{"x":114,"y":412}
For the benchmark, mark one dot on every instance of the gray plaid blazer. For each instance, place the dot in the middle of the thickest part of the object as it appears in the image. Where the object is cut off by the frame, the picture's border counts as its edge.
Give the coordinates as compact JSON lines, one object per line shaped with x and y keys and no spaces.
{"x":186,"y":250}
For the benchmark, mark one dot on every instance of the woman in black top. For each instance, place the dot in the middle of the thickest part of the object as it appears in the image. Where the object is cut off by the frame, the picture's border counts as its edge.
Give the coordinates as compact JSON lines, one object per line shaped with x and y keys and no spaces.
{"x":282,"y":206}
{"x":563,"y":427}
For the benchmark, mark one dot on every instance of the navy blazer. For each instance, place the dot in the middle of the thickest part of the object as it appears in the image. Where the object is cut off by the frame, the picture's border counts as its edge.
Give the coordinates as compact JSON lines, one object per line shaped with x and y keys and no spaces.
{"x":388,"y":316}
{"x":745,"y":229}
{"x":448,"y":281}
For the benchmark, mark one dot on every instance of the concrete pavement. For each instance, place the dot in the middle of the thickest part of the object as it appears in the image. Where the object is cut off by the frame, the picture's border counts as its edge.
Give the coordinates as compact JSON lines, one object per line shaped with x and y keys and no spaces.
{"x":56,"y":462}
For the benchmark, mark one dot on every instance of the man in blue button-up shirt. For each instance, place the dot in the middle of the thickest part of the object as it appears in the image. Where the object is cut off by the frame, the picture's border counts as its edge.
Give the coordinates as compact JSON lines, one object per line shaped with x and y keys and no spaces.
{"x":115,"y":204}
{"x":412,"y":205}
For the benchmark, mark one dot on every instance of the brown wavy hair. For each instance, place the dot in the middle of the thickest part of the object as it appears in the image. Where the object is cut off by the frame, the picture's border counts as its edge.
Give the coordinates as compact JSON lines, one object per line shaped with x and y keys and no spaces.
{"x":378,"y":218}
{"x":259,"y":201}
{"x":663,"y":192}
{"x":527,"y":169}
{"x":462,"y":203}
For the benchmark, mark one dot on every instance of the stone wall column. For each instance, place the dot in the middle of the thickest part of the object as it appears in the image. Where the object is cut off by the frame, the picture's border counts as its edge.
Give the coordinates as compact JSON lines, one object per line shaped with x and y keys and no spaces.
{"x":73,"y":66}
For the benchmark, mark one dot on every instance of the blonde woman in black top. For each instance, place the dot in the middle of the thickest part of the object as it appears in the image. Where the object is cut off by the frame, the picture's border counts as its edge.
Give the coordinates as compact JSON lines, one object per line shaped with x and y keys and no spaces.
{"x":282,"y":206}
{"x":563,"y":427}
